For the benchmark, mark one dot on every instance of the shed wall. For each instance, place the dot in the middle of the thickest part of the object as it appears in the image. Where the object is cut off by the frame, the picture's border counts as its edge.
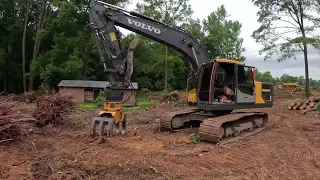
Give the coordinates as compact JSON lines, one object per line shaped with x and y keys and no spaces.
{"x":131,"y":94}
{"x":129,"y":97}
{"x":78,"y":93}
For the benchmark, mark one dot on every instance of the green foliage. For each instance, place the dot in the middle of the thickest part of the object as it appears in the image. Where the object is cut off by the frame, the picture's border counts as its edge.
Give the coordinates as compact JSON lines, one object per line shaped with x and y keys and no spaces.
{"x":195,"y":139}
{"x":89,"y":105}
{"x":67,"y":49}
{"x":285,"y":78}
{"x":100,"y":99}
{"x":150,"y":56}
{"x":222,"y":36}
{"x":169,"y":11}
{"x":287,"y":28}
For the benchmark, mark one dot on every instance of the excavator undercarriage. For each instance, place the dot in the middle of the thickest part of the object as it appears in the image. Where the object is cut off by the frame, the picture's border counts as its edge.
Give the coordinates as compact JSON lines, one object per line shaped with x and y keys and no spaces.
{"x":219,"y":127}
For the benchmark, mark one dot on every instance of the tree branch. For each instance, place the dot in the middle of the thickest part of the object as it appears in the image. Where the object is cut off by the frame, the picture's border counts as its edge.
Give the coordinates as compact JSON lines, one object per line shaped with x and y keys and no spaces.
{"x":289,"y":23}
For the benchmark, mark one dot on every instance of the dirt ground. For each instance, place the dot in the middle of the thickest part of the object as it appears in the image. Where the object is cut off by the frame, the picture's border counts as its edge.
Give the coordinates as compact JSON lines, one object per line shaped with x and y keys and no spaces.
{"x":288,"y":149}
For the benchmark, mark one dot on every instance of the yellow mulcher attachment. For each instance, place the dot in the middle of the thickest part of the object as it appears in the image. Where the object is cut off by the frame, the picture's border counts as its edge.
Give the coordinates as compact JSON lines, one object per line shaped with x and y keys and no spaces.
{"x":111,"y":115}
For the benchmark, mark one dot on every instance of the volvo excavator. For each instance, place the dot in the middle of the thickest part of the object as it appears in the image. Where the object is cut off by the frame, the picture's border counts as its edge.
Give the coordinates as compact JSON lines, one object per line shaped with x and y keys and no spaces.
{"x":223,"y":85}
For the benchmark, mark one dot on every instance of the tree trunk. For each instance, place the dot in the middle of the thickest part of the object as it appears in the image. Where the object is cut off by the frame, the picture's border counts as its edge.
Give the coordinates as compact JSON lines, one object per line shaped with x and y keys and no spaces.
{"x":36,"y":45}
{"x":306,"y":68}
{"x":166,"y":72}
{"x":5,"y":81}
{"x":24,"y":49}
{"x":305,"y":50}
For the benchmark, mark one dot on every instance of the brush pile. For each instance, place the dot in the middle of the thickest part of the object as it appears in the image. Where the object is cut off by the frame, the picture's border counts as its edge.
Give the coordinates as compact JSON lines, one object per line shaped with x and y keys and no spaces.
{"x":310,"y":104}
{"x":173,"y":96}
{"x":53,"y":109}
{"x":14,"y":120}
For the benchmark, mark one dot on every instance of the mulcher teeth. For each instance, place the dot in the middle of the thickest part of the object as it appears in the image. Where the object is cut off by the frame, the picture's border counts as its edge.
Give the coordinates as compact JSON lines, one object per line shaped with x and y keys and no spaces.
{"x":106,"y":125}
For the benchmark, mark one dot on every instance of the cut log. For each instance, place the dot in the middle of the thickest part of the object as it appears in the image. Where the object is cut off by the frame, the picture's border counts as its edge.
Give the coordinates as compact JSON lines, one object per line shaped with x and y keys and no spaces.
{"x":299,"y":103}
{"x":290,"y":107}
{"x":298,"y":106}
{"x":312,"y":109}
{"x":311,"y":99}
{"x":312,"y":104}
{"x":308,"y":107}
{"x":293,"y":103}
{"x":303,"y":106}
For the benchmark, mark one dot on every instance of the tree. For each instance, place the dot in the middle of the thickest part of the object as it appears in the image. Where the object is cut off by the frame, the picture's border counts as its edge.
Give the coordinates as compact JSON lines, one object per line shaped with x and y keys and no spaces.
{"x":286,"y":29}
{"x":301,"y":80}
{"x":24,"y":48}
{"x":222,"y":36}
{"x":264,"y":77}
{"x":171,"y":12}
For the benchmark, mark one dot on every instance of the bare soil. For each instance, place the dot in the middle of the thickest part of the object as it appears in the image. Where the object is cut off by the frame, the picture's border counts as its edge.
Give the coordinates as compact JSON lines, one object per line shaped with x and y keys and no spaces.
{"x":288,"y":149}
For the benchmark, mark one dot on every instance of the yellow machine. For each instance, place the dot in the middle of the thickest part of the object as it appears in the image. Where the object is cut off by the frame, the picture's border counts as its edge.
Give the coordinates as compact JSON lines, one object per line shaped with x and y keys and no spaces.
{"x":222,"y":85}
{"x":288,"y":86}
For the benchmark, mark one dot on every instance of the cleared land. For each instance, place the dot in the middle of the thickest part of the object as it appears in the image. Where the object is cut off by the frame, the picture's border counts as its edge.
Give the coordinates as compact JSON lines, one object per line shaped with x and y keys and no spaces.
{"x":287,"y":149}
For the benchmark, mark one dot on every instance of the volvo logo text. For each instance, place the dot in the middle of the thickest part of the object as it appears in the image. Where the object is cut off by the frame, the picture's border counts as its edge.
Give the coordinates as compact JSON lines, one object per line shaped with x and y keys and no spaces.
{"x":144,"y":26}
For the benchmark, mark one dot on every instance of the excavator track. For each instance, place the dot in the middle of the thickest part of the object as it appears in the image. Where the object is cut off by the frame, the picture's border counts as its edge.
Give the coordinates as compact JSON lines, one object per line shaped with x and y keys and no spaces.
{"x":168,"y":120}
{"x":232,"y":127}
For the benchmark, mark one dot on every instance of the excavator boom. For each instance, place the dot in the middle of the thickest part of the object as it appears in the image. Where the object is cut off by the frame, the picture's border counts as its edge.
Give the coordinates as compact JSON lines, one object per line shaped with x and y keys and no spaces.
{"x":105,"y":17}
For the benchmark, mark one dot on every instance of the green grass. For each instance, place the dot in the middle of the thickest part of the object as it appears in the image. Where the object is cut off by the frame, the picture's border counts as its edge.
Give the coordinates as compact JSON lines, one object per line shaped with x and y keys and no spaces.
{"x":89,"y":105}
{"x":142,"y":101}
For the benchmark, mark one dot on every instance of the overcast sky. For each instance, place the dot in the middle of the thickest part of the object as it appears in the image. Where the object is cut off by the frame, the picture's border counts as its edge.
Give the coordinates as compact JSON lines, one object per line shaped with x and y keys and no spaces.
{"x":247,"y":16}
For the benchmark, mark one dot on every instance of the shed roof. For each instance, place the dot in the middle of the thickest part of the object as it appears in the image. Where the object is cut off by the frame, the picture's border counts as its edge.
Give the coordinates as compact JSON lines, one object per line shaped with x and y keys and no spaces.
{"x":90,"y":84}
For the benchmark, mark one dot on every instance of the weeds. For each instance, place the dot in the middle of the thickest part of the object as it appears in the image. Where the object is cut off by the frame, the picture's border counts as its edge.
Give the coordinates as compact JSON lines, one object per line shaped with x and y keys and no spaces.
{"x":100,"y":99}
{"x":195,"y":139}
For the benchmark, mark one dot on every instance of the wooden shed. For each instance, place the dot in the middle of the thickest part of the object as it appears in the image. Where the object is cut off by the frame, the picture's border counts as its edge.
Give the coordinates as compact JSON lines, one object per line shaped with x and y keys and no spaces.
{"x":87,"y":91}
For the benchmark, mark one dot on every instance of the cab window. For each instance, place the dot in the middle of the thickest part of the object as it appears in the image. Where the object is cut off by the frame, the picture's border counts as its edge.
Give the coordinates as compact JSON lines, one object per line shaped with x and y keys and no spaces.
{"x":245,"y":76}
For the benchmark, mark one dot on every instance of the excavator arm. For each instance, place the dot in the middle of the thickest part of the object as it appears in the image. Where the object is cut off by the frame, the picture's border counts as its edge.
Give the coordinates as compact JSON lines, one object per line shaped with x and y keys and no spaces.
{"x":105,"y":17}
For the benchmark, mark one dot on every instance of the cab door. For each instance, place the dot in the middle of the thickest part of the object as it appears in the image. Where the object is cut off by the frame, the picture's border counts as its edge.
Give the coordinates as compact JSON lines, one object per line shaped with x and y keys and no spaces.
{"x":245,"y":91}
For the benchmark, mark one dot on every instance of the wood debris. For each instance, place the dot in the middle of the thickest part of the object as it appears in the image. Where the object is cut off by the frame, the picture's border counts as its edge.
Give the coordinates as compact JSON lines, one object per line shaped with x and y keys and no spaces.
{"x":53,"y":109}
{"x":307,"y":105}
{"x":13,"y":117}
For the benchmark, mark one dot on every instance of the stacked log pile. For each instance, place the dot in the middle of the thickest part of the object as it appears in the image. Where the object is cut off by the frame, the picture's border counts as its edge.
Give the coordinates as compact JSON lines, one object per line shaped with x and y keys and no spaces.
{"x":310,"y":104}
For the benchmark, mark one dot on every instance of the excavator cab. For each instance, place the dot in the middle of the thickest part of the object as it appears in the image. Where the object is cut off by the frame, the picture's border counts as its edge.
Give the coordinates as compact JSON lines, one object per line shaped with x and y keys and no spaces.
{"x":229,"y":84}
